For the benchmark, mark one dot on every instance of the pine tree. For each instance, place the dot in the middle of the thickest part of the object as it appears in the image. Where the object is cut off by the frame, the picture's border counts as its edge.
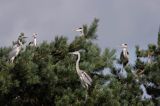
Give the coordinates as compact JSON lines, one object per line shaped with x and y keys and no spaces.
{"x":148,"y":61}
{"x":46,"y":75}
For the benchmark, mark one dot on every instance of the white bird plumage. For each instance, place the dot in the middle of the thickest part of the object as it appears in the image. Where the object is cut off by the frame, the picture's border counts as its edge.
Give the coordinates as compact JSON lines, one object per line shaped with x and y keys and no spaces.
{"x":86,"y":80}
{"x":80,"y":30}
{"x":15,"y":51}
{"x":34,"y":42}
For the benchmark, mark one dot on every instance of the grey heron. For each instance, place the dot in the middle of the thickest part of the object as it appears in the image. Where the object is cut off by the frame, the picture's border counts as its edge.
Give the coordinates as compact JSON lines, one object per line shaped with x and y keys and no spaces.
{"x":15,"y":51}
{"x":124,"y":57}
{"x":34,"y":42}
{"x":85,"y":79}
{"x":21,"y":39}
{"x":80,"y":30}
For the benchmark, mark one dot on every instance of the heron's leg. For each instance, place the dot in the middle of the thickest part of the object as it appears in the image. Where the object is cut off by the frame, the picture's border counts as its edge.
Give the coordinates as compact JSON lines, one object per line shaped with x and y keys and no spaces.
{"x":86,"y":96}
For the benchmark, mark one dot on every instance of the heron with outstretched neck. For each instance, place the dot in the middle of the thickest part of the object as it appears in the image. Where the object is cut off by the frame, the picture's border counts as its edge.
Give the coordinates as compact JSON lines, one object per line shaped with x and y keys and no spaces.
{"x":85,"y":79}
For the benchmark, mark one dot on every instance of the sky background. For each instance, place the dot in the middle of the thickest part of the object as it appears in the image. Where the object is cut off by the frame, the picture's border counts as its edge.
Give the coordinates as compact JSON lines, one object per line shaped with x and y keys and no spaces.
{"x":135,"y":22}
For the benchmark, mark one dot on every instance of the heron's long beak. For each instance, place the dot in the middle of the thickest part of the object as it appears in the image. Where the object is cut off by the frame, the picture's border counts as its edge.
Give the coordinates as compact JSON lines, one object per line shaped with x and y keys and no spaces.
{"x":120,"y":46}
{"x":25,"y":37}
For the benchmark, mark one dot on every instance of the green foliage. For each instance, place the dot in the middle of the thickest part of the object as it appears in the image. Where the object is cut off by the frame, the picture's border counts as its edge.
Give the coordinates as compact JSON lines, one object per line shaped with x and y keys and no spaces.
{"x":151,"y":69}
{"x":46,"y":75}
{"x":90,"y":32}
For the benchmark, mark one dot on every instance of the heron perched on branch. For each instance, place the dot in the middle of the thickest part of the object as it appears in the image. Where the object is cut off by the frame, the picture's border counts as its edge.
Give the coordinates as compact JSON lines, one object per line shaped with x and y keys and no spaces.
{"x":34,"y":42}
{"x":15,"y":51}
{"x":124,"y":57}
{"x":86,"y":80}
{"x":21,"y":38}
{"x":80,"y":30}
{"x":17,"y":45}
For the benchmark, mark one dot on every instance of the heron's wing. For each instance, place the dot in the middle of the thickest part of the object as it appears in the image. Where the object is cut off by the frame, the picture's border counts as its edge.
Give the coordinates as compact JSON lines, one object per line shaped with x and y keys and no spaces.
{"x":82,"y":82}
{"x":86,"y":78}
{"x":124,"y":59}
{"x":14,"y":46}
{"x":12,"y":53}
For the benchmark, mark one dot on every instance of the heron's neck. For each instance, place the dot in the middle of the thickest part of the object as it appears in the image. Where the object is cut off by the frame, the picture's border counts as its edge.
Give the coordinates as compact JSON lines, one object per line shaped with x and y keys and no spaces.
{"x":124,"y":51}
{"x":20,"y":44}
{"x":35,"y":42}
{"x":77,"y":63}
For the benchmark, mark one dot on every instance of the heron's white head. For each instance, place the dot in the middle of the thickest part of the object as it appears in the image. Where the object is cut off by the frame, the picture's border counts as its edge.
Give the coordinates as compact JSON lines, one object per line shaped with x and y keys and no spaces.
{"x":22,"y":37}
{"x":124,"y":45}
{"x":79,"y":29}
{"x":34,"y":35}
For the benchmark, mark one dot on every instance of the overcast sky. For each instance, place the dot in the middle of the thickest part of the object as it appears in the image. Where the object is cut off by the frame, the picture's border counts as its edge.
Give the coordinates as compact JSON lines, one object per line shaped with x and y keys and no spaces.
{"x":130,"y":21}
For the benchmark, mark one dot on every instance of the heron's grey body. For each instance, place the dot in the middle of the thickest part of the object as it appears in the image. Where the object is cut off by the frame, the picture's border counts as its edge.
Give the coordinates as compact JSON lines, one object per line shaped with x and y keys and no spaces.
{"x":15,"y":51}
{"x":124,"y":57}
{"x":122,"y":74}
{"x":86,"y":80}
